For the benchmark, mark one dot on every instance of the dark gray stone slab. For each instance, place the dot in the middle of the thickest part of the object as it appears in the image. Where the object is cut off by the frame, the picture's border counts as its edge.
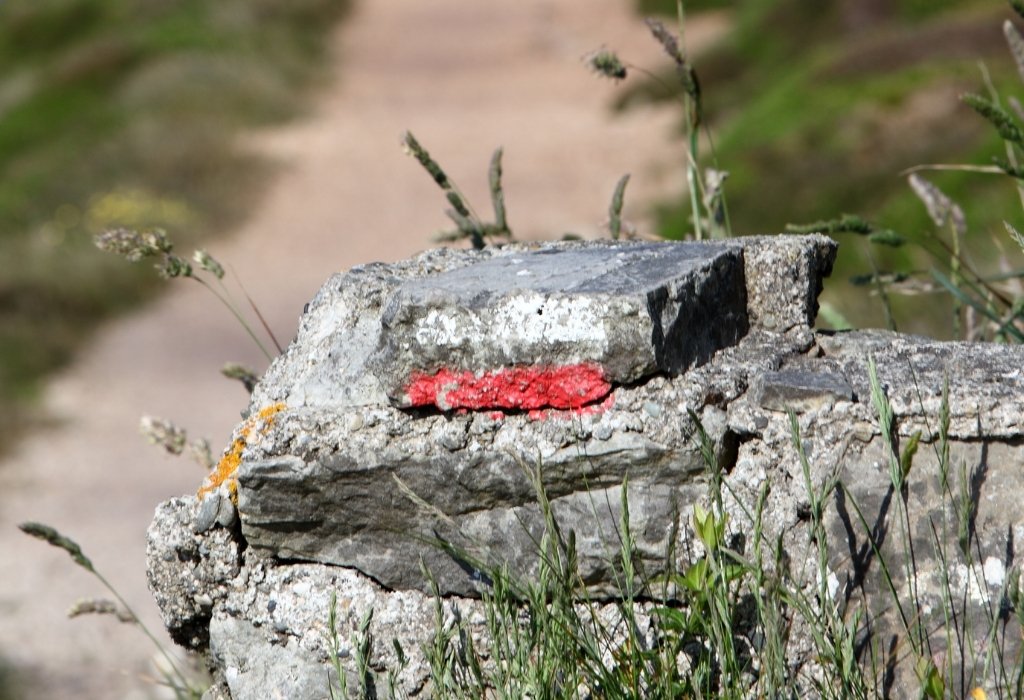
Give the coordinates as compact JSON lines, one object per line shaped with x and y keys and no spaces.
{"x":354,"y":338}
{"x":626,"y":310}
{"x":799,"y":390}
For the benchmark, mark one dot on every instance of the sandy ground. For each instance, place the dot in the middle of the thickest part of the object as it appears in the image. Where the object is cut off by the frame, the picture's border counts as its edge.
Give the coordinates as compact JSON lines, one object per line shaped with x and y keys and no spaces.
{"x":464,"y":77}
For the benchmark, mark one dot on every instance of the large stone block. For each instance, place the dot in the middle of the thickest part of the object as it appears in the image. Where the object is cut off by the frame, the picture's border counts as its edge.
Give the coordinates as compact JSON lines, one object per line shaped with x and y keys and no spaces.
{"x":451,"y":377}
{"x":344,"y":488}
{"x":467,"y":329}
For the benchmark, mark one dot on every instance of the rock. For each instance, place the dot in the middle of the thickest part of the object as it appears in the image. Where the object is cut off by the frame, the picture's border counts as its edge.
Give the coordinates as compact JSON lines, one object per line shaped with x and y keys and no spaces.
{"x":367,"y":331}
{"x":623,"y":310}
{"x":273,"y":630}
{"x":635,"y":308}
{"x":863,"y":520}
{"x":986,"y":380}
{"x":347,"y":483}
{"x":799,"y":390}
{"x":189,"y":569}
{"x":784,"y":277}
{"x":254,"y":670}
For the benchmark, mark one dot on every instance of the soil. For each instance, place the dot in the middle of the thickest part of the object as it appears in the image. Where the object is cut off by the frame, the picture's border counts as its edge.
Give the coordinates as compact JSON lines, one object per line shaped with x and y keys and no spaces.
{"x":464,"y":78}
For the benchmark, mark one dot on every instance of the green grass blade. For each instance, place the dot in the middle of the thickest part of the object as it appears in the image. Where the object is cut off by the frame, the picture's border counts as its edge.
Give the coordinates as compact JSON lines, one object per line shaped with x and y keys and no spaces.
{"x":983,"y":309}
{"x":615,"y":209}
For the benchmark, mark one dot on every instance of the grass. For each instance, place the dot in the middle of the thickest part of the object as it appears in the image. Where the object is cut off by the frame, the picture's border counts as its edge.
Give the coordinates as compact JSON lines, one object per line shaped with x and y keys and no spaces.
{"x":755,"y":616}
{"x":118,"y":113}
{"x":813,"y":119}
{"x":180,"y":682}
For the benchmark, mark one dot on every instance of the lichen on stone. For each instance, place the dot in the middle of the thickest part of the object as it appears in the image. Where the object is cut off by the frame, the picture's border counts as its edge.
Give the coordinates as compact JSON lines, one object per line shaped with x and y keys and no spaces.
{"x":224,"y":472}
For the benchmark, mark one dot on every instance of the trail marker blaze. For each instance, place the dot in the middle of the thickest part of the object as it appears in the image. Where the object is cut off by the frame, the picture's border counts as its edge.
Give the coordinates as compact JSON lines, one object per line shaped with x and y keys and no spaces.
{"x":512,"y":388}
{"x":558,"y":327}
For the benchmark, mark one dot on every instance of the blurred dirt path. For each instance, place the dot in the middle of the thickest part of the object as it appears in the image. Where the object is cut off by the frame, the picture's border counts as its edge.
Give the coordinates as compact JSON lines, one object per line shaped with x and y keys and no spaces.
{"x":465,"y":78}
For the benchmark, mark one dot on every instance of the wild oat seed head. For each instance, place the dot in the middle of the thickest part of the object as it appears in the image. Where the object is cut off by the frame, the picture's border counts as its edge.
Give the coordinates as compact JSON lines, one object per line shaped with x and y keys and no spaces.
{"x":163,"y":433}
{"x":714,"y":179}
{"x":665,"y":38}
{"x":1008,"y":129}
{"x":100,"y":606}
{"x":607,"y":63}
{"x":246,"y":375}
{"x":51,"y":536}
{"x":173,"y":266}
{"x":134,"y":245}
{"x":207,"y":262}
{"x":199,"y":450}
{"x":157,"y":241}
{"x":412,"y":147}
{"x":941,"y":209}
{"x":1014,"y":234}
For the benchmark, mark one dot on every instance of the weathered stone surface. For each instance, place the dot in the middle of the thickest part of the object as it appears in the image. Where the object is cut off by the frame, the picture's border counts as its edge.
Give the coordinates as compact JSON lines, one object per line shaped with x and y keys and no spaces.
{"x":990,"y":474}
{"x":357,"y":467}
{"x":277,"y":617}
{"x":350,"y":345}
{"x":799,"y":390}
{"x":254,"y":669}
{"x":784,"y":278}
{"x":270,"y":635}
{"x":986,"y":380}
{"x":629,"y":309}
{"x":842,"y":438}
{"x":189,"y":569}
{"x":345,"y":491}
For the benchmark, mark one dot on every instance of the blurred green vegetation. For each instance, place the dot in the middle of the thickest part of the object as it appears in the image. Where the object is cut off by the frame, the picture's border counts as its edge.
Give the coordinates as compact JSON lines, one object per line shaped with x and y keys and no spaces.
{"x":816,"y":108}
{"x":119,"y":112}
{"x":10,"y":684}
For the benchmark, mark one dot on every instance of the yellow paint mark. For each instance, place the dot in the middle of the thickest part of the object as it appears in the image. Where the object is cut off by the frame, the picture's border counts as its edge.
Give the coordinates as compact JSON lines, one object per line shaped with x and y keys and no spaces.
{"x":225,"y":471}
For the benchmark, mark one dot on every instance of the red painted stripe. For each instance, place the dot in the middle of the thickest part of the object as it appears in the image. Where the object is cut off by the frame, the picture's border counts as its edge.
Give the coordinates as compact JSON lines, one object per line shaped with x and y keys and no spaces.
{"x":514,"y":388}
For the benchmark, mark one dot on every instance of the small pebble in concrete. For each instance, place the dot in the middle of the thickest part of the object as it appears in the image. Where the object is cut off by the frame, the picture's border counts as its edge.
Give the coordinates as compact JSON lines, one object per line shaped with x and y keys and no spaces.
{"x":799,"y":390}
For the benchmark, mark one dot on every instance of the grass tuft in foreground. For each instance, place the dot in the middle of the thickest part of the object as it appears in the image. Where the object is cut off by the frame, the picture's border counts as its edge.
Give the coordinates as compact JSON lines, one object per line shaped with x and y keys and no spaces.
{"x":753,"y":620}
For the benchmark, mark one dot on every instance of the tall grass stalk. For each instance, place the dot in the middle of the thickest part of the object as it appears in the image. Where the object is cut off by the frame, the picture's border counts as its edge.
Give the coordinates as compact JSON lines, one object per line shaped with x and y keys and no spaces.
{"x":833,"y":629}
{"x":705,"y":192}
{"x":900,"y":464}
{"x":723,"y":626}
{"x":468,"y":223}
{"x":154,"y":244}
{"x":176,"y":679}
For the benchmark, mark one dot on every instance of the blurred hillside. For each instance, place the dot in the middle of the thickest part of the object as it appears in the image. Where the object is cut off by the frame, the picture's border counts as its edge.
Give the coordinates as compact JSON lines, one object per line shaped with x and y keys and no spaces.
{"x":117,"y":112}
{"x":817,"y":107}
